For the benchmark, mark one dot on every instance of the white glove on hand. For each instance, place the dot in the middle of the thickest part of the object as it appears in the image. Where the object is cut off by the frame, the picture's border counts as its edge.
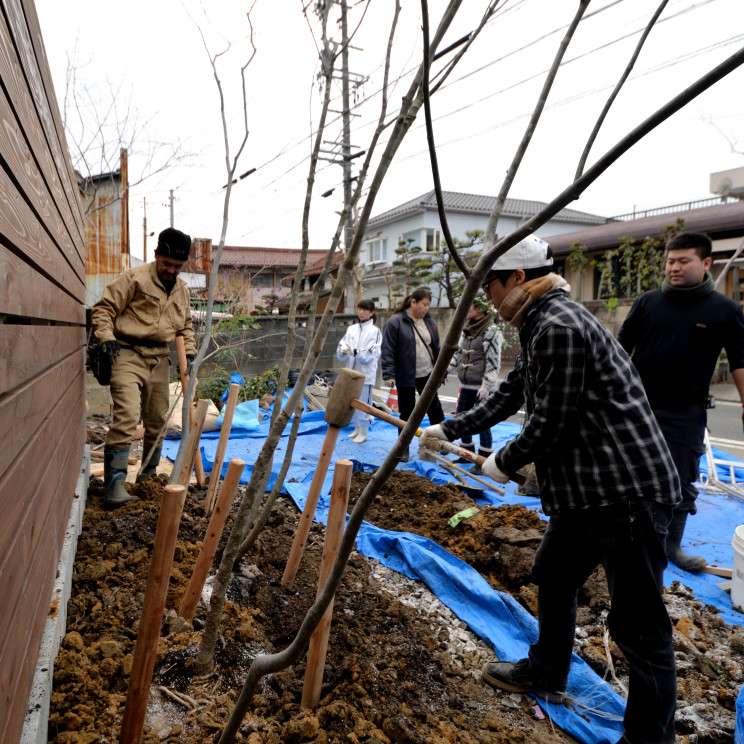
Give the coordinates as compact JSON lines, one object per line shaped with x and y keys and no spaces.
{"x":345,"y":350}
{"x":482,"y":392}
{"x":430,"y":435}
{"x":491,"y":469}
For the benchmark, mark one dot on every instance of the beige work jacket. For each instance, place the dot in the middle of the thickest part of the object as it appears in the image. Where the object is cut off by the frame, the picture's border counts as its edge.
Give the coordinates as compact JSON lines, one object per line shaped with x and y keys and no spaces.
{"x":136,"y":307}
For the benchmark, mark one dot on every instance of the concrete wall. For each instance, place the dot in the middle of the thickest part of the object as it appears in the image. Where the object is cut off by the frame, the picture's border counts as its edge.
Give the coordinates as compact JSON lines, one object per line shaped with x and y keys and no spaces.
{"x":253,"y":351}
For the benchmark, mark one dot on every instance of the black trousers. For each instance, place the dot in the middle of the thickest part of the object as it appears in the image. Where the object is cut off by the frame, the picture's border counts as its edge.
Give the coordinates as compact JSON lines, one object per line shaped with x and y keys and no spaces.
{"x":684,"y":432}
{"x":407,"y":400}
{"x":628,"y":540}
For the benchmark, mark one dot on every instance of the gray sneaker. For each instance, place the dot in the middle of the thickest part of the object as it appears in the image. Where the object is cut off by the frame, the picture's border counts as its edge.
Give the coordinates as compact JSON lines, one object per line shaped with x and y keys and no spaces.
{"x":517,"y":676}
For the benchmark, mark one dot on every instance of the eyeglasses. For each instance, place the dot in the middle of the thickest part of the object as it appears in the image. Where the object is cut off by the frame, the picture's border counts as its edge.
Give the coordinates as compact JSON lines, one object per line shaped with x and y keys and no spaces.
{"x":487,"y":284}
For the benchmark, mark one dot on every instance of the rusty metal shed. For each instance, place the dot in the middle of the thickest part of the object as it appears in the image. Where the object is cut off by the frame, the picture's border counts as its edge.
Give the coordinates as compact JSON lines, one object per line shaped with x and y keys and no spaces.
{"x":105,"y":199}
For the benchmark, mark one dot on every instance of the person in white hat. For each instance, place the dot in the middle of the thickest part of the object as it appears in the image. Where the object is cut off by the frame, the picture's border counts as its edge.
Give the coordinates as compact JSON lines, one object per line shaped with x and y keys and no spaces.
{"x":607,"y":482}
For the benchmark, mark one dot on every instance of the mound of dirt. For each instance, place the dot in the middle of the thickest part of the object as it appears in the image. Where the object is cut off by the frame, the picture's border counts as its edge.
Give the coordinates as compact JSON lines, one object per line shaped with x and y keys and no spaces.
{"x":400,"y":666}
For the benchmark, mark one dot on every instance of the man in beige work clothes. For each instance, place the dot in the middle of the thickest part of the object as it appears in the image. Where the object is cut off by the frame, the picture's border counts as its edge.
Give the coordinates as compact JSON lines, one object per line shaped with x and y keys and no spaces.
{"x":138,"y":315}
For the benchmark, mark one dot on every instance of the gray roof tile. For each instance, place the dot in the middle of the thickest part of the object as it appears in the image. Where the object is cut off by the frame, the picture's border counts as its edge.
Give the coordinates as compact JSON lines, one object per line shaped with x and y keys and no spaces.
{"x":480,"y":204}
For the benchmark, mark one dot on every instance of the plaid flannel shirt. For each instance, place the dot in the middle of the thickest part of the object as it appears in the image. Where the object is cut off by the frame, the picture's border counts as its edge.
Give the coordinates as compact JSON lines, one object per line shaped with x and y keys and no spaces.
{"x":589,"y":429}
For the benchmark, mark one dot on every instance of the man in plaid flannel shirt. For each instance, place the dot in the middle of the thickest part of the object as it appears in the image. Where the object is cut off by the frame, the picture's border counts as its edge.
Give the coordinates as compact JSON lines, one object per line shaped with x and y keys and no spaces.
{"x":606,"y":481}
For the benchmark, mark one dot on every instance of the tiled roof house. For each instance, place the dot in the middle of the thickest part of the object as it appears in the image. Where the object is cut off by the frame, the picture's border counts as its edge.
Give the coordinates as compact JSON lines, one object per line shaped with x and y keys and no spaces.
{"x":417,"y":221}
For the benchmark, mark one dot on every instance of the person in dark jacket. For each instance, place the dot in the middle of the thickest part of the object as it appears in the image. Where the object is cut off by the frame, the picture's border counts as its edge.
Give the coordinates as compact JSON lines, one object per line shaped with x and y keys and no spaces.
{"x":410,"y":345}
{"x":607,"y":482}
{"x":674,"y":336}
{"x":478,"y":362}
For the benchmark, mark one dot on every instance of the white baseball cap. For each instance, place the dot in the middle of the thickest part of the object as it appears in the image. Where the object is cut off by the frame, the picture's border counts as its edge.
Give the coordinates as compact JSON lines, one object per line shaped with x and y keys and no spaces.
{"x":530,"y":253}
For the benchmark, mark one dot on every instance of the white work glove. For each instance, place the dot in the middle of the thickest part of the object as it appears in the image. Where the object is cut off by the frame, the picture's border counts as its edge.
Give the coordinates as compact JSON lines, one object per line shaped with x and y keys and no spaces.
{"x":492,"y":470}
{"x":430,"y":436}
{"x":482,"y":392}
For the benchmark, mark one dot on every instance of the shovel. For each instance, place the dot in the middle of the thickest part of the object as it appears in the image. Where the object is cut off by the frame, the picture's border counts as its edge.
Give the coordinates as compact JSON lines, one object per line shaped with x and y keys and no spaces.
{"x":444,"y":445}
{"x":447,"y":465}
{"x":473,"y":491}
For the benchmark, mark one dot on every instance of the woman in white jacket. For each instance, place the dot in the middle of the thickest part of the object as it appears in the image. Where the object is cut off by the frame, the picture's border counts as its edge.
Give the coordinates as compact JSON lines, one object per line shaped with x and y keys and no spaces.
{"x":361,"y":348}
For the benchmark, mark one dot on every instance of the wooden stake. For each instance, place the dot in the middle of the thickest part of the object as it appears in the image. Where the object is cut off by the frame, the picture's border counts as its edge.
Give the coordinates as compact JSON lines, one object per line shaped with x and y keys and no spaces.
{"x":192,"y":445}
{"x":211,"y":539}
{"x":311,"y":502}
{"x":151,"y":620}
{"x":214,"y":478}
{"x":338,"y":413}
{"x":182,"y":365}
{"x":316,"y":654}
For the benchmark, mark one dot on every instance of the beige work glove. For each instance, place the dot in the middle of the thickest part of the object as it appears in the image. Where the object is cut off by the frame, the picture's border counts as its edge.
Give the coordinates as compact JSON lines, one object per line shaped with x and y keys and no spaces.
{"x":431,"y":437}
{"x":492,"y":470}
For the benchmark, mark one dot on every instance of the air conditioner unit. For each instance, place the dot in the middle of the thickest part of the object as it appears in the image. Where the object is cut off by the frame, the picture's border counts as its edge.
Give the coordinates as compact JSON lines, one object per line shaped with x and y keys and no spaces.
{"x":728,"y":182}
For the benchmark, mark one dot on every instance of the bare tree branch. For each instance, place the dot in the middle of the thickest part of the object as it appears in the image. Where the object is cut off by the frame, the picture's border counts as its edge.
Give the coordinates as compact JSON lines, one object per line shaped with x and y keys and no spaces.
{"x":265,"y":664}
{"x":448,"y":241}
{"x":262,"y":665}
{"x":618,"y":87}
{"x":472,"y":36}
{"x":231,"y":168}
{"x":490,"y":235}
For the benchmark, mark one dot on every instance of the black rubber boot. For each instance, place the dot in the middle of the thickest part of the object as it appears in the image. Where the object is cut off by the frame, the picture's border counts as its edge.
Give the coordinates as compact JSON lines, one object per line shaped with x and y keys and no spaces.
{"x":517,"y":676}
{"x":151,"y":469}
{"x":674,"y":552}
{"x":114,"y":476}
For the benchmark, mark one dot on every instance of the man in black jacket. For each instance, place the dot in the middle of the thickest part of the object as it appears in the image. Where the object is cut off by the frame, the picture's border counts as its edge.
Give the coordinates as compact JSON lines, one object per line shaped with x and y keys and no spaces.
{"x":606,"y":481}
{"x":675,"y":335}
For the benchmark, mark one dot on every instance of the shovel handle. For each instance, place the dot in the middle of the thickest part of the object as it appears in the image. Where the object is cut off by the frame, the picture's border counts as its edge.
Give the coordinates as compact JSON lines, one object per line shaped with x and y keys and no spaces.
{"x":444,"y":445}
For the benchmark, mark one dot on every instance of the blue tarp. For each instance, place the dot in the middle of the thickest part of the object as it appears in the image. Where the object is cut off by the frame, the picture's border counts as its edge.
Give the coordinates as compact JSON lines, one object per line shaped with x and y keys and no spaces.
{"x":595,"y":716}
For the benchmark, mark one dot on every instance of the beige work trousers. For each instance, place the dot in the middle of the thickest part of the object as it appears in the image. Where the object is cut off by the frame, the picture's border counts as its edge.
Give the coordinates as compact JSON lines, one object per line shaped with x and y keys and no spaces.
{"x":139,"y":390}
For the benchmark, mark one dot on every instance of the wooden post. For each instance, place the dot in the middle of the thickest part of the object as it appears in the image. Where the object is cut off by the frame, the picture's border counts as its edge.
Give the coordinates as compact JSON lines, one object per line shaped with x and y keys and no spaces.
{"x":311,"y":503}
{"x":338,"y":413}
{"x":211,"y":539}
{"x":151,"y":620}
{"x":316,"y":654}
{"x":192,"y":445}
{"x":214,"y":478}
{"x":182,"y":364}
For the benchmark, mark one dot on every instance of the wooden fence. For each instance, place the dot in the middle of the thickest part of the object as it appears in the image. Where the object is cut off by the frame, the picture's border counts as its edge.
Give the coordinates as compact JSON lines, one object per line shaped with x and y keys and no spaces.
{"x":42,"y":337}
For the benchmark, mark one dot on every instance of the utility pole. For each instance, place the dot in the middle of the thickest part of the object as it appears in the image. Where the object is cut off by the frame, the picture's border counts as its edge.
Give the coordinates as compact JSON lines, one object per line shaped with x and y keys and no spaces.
{"x":171,"y":207}
{"x":345,"y":150}
{"x":351,"y":298}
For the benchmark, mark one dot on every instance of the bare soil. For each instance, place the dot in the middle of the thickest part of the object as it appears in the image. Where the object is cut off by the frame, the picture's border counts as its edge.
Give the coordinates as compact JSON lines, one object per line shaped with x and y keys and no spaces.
{"x":400,"y":667}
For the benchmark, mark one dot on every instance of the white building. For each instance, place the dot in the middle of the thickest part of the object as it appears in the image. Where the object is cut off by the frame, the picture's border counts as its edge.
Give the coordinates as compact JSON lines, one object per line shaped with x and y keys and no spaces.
{"x":417,"y":221}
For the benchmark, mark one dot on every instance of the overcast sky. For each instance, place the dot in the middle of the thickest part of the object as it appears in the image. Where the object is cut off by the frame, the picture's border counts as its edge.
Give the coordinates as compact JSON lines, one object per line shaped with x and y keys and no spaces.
{"x":152,"y":53}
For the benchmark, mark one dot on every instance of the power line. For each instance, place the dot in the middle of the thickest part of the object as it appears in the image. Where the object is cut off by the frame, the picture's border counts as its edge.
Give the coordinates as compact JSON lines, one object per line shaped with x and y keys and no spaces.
{"x":290,"y":147}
